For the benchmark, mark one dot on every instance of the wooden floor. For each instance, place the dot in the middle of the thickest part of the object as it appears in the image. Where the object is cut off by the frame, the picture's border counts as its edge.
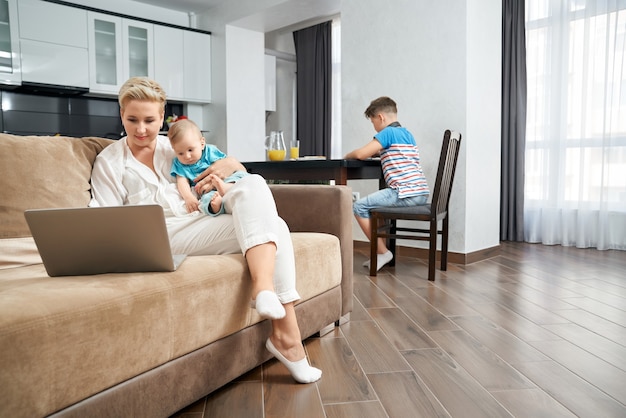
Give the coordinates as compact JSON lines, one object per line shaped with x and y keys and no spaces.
{"x":538,"y":331}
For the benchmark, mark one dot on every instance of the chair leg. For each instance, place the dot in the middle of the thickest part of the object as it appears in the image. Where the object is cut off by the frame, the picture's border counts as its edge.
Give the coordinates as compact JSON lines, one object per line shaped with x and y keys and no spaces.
{"x":392,"y":241}
{"x":432,"y":250}
{"x":373,"y":245}
{"x":444,"y":244}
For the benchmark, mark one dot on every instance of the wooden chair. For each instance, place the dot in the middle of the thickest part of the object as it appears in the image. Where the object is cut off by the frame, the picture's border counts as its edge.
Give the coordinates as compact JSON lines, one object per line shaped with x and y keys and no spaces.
{"x":384,"y":219}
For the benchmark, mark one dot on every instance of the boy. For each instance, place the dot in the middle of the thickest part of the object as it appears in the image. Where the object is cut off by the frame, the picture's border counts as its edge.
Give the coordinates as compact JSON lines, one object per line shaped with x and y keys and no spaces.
{"x":193,"y":156}
{"x":399,"y":158}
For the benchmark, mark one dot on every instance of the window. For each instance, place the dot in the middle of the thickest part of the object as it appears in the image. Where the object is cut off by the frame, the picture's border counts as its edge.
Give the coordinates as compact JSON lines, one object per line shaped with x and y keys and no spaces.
{"x":575,"y":179}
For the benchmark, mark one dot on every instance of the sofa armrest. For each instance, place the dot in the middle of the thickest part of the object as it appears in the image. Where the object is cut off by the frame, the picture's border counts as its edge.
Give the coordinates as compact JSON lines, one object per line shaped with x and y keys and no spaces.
{"x":321,"y":208}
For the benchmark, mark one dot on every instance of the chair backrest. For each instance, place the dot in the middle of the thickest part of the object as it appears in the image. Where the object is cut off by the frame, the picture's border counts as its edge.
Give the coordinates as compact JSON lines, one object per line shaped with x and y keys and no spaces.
{"x":445,"y":173}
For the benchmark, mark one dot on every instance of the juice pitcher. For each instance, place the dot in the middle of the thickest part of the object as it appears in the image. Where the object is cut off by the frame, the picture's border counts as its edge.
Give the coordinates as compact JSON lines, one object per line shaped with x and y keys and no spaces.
{"x":275,"y":144}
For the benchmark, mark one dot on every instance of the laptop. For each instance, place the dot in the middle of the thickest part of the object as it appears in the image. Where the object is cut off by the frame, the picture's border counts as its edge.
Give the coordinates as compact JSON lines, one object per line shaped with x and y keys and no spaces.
{"x":116,"y":239}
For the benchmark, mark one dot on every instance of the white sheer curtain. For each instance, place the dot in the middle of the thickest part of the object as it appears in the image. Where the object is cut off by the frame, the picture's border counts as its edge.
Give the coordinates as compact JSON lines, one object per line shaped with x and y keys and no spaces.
{"x":575,"y":176}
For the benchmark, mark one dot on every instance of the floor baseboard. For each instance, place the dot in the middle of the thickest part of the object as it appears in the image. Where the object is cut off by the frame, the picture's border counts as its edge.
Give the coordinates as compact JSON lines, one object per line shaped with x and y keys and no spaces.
{"x":456,"y":258}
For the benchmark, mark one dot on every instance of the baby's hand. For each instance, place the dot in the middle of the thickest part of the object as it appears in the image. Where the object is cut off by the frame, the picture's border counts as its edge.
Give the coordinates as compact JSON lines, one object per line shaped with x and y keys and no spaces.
{"x":192,"y":204}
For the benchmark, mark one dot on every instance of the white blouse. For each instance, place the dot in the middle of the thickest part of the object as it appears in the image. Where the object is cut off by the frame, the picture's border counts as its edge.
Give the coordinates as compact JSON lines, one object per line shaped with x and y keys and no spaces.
{"x":119,"y":179}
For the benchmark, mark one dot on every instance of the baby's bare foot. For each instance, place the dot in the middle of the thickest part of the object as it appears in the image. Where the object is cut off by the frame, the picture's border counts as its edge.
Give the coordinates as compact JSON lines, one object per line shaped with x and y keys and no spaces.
{"x":216,"y":203}
{"x":219,"y":184}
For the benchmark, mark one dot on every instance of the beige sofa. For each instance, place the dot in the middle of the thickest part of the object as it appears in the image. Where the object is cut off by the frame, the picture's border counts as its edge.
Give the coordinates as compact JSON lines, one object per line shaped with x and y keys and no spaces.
{"x":143,"y":344}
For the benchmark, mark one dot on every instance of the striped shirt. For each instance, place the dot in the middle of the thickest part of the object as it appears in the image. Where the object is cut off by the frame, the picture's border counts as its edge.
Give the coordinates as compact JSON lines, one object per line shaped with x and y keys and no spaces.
{"x":400,"y":162}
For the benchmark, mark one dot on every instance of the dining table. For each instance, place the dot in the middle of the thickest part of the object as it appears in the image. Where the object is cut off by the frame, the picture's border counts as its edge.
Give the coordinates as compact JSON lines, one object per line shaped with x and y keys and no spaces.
{"x":318,"y":169}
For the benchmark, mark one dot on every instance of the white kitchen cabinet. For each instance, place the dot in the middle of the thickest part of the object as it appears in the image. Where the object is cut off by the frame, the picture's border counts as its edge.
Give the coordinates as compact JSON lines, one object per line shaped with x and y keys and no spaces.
{"x":46,"y":63}
{"x":52,"y":23}
{"x":183,"y":64}
{"x":270,"y":83}
{"x":119,"y":48}
{"x":53,"y":53}
{"x":197,"y":67}
{"x":10,"y":66}
{"x":72,"y":46}
{"x":169,"y":58}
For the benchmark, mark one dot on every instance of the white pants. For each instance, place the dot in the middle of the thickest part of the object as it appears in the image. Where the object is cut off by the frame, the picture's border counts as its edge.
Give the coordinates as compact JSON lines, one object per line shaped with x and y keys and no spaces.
{"x":250,"y":219}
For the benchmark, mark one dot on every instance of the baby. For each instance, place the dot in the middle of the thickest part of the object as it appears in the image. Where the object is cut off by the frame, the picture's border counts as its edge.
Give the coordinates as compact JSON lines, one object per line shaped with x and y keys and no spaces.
{"x":193,"y":156}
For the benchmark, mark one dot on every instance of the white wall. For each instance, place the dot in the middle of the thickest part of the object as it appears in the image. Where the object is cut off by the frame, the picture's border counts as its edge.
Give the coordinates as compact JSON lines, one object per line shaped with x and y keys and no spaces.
{"x":283,"y":118}
{"x":437,"y":60}
{"x":215,"y":113}
{"x":482,"y":181}
{"x":245,"y":90}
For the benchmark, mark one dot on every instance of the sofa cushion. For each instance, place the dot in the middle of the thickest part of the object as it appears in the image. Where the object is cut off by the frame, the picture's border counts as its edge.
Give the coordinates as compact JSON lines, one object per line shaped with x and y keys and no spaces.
{"x":58,"y":167}
{"x":18,"y":252}
{"x":63,"y":339}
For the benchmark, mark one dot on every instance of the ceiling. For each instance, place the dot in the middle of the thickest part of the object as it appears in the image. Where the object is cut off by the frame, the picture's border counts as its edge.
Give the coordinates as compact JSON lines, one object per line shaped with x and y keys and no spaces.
{"x":197,"y":6}
{"x":281,"y":15}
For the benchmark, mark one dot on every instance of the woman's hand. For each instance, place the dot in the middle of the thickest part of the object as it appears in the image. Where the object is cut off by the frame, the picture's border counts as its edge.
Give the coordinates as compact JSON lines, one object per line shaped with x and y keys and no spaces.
{"x":221,"y":168}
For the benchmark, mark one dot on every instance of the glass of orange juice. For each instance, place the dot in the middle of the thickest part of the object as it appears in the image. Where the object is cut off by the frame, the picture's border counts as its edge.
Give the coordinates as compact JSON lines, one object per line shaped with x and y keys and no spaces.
{"x":294,"y":151}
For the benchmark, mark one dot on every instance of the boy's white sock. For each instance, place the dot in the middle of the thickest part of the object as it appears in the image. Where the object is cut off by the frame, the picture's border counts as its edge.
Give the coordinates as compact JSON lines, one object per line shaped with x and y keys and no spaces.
{"x":381,"y":260}
{"x":300,"y":370}
{"x":268,"y":305}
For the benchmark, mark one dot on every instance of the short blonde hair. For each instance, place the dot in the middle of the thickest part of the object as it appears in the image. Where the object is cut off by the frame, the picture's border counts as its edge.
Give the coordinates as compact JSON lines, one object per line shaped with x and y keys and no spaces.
{"x":142,"y":88}
{"x":180,"y":128}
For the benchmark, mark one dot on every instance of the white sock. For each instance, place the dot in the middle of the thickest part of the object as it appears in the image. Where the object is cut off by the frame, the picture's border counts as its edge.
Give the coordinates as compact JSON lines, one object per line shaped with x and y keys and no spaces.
{"x":381,"y":260}
{"x":300,"y":370}
{"x":268,"y":305}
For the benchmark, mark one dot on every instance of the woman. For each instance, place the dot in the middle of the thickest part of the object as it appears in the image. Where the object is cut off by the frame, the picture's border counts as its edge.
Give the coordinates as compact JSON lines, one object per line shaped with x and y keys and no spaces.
{"x":136,"y":170}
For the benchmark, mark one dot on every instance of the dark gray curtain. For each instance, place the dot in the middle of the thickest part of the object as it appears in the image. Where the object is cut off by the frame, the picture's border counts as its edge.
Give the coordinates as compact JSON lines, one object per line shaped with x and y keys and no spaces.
{"x":314,"y":75}
{"x":513,"y":120}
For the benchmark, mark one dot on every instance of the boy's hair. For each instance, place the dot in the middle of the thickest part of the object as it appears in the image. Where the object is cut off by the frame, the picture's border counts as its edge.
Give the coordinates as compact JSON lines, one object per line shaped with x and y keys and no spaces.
{"x":141,"y":88}
{"x":381,"y":105}
{"x":181,"y":127}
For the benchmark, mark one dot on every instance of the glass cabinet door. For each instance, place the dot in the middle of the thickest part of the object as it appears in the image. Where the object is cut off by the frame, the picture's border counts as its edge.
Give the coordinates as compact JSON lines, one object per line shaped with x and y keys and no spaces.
{"x":138,"y":45}
{"x":9,"y":44}
{"x":105,"y":53}
{"x":137,"y":51}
